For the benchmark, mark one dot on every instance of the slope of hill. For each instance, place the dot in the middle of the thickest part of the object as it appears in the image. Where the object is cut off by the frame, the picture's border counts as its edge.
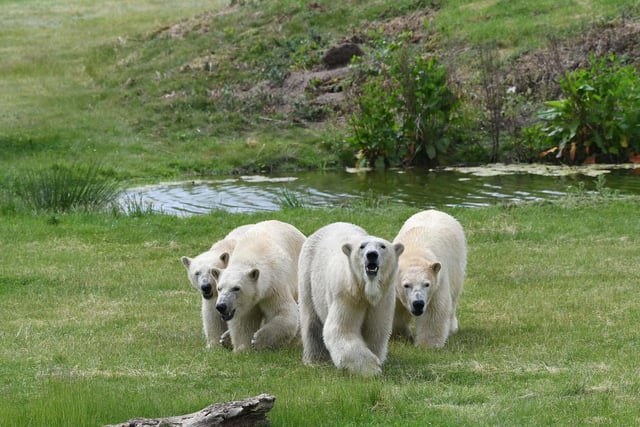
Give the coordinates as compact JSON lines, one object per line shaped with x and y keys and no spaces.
{"x":243,"y":87}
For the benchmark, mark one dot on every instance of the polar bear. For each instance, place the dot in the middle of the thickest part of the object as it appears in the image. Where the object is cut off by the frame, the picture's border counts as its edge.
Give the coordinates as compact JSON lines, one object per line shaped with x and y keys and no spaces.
{"x":431,"y":272}
{"x":257,"y":291}
{"x":199,"y":274}
{"x":346,"y":282}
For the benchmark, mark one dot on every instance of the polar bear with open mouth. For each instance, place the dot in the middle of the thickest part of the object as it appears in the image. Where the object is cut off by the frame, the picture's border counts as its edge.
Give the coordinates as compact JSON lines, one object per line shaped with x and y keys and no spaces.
{"x":347,"y":297}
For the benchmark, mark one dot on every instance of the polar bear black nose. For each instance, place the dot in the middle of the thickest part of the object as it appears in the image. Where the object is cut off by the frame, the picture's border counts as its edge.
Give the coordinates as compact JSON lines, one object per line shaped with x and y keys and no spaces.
{"x":372,"y":255}
{"x":206,"y":288}
{"x":222,"y":307}
{"x":418,"y":305}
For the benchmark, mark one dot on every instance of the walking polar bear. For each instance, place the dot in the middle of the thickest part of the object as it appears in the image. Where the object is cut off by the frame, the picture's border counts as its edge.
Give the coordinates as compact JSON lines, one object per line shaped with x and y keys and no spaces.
{"x":431,"y":272}
{"x":257,"y":291}
{"x":346,"y":284}
{"x":199,"y":274}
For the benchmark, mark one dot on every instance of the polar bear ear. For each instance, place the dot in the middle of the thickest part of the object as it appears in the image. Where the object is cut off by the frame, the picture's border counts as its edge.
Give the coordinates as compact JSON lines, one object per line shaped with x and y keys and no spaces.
{"x":436,"y":266}
{"x":254,"y":274}
{"x":399,"y":248}
{"x":347,"y":248}
{"x":224,"y":258}
{"x":186,"y":261}
{"x":215,"y":273}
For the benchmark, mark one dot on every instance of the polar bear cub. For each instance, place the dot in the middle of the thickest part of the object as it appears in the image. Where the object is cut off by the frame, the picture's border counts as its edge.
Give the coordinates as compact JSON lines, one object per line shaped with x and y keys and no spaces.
{"x":199,"y":274}
{"x":346,"y":282}
{"x":432,"y":271}
{"x":257,"y":291}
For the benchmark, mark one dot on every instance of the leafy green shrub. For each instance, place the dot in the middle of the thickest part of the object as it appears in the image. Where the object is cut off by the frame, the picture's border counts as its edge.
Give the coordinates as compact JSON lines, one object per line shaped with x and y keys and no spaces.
{"x":599,"y":118}
{"x":62,"y":188}
{"x":526,"y":145}
{"x":374,"y":126}
{"x":426,"y":106}
{"x":403,"y":112}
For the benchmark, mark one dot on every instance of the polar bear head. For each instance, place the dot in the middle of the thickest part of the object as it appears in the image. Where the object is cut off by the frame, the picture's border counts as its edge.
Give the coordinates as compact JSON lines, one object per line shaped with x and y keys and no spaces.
{"x":237,"y":289}
{"x":375,"y":262}
{"x":199,"y":270}
{"x":418,"y":282}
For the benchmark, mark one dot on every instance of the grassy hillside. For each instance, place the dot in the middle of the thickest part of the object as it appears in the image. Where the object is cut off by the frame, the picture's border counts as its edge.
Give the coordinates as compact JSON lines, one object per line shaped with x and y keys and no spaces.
{"x":163,"y":89}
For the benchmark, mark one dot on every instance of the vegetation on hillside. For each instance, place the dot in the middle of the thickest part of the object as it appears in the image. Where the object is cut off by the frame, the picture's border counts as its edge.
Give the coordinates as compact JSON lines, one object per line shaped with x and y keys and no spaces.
{"x":241,"y":86}
{"x":229,"y":73}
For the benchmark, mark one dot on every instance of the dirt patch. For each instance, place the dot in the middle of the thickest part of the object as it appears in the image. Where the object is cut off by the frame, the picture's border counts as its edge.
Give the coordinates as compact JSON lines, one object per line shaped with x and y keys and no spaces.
{"x":199,"y":24}
{"x":325,"y":87}
{"x":535,"y":74}
{"x":304,"y":96}
{"x":539,"y":72}
{"x":413,"y":23}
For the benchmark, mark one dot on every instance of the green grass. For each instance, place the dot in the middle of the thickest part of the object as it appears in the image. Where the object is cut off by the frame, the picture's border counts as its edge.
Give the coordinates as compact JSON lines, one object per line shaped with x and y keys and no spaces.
{"x":99,"y":324}
{"x":519,"y":26}
{"x":51,"y":109}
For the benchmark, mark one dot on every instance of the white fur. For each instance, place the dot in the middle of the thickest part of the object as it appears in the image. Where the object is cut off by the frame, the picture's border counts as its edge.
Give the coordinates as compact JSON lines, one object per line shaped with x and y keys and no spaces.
{"x":431,"y":269}
{"x":258,"y":289}
{"x":199,"y":274}
{"x":345,"y":314}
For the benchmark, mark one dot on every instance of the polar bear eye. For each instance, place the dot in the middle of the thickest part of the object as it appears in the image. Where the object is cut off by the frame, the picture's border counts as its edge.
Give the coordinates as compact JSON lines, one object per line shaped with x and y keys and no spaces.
{"x":197,"y":273}
{"x":235,"y":289}
{"x":406,"y":285}
{"x":426,"y":284}
{"x":383,"y":246}
{"x":362,"y":246}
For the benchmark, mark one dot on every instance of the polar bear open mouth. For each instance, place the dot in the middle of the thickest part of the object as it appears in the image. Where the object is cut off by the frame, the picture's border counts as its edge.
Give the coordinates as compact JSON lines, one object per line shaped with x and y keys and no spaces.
{"x":371,"y":269}
{"x":207,"y":295}
{"x":228,"y":316}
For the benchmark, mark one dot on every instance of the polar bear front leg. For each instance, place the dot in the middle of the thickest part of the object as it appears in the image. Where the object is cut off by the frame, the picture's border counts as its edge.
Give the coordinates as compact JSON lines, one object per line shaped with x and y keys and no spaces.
{"x":279,"y":328}
{"x":377,"y":326}
{"x":402,"y":323}
{"x":432,"y":329}
{"x":242,"y":328}
{"x":213,"y":325}
{"x":313,"y":346}
{"x":344,"y":341}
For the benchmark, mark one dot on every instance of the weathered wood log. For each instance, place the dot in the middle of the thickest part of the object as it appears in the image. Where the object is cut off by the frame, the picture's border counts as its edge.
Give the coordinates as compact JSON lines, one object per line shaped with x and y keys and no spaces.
{"x":247,"y":412}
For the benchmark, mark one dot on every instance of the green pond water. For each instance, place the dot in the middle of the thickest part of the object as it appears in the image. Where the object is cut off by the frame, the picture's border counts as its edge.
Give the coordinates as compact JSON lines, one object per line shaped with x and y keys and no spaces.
{"x":466,"y":187}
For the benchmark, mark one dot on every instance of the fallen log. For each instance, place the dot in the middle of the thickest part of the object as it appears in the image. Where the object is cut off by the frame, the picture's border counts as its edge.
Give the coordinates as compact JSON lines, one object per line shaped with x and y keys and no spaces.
{"x":247,"y":412}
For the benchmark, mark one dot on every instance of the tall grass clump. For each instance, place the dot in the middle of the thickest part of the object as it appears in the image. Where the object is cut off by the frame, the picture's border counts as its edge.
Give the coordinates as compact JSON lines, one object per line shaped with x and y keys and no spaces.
{"x":63,"y":188}
{"x":135,"y":206}
{"x":289,"y":199}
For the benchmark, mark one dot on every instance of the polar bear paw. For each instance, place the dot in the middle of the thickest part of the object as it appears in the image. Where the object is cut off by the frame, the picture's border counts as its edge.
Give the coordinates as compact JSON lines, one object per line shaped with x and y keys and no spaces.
{"x":225,"y":340}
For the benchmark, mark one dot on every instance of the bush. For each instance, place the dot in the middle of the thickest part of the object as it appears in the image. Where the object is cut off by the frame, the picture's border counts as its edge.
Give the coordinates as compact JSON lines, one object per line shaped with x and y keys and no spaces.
{"x":374,"y":126}
{"x":599,"y":119}
{"x":403,"y":112}
{"x":426,"y":106}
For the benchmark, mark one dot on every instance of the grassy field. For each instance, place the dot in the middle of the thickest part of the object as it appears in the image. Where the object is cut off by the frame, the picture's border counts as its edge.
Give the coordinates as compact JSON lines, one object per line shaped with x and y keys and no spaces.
{"x":99,"y":324}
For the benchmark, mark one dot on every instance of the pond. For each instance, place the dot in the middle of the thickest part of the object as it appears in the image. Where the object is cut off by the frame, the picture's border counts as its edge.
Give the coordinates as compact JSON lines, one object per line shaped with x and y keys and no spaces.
{"x":466,"y":187}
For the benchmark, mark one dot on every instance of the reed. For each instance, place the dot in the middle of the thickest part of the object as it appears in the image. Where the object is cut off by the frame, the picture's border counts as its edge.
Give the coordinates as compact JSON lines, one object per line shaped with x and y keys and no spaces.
{"x":289,"y":199}
{"x":64,"y":188}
